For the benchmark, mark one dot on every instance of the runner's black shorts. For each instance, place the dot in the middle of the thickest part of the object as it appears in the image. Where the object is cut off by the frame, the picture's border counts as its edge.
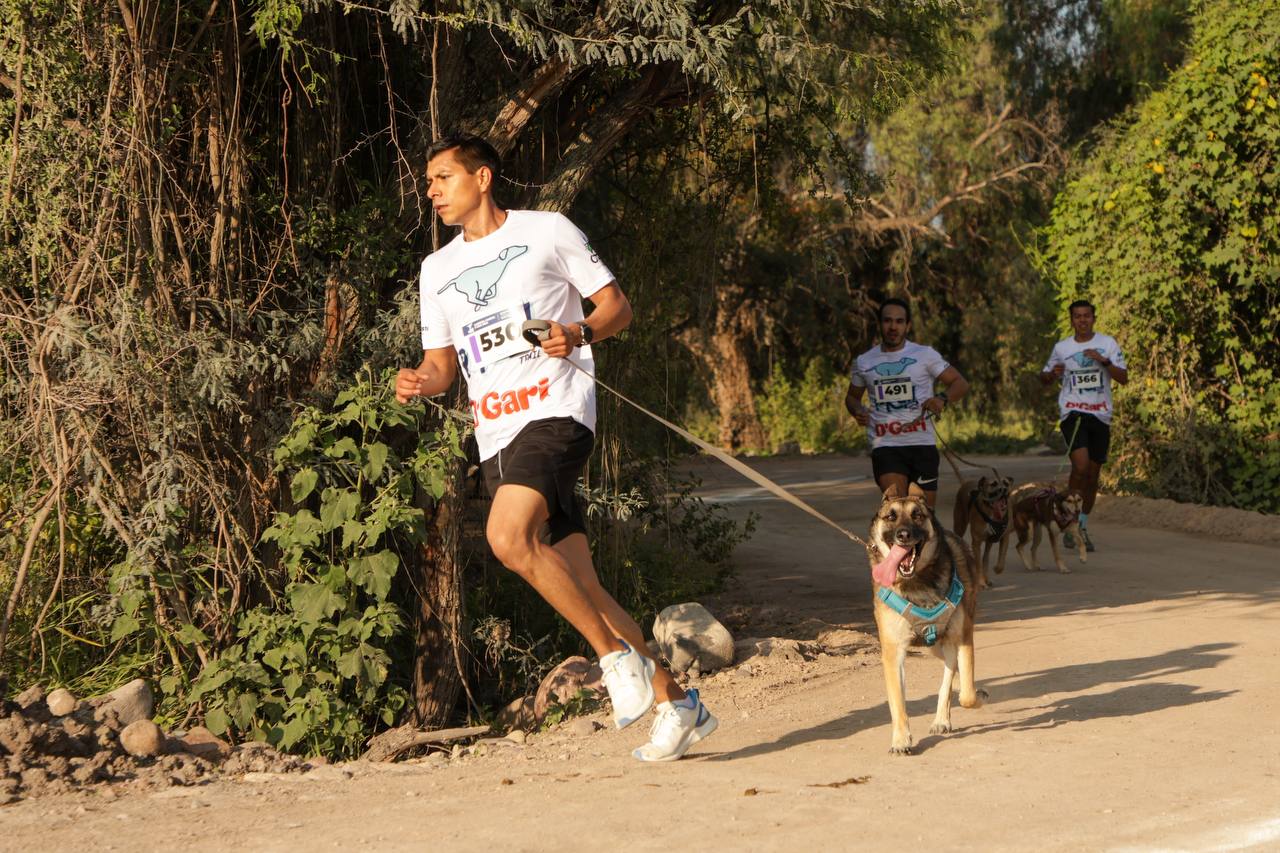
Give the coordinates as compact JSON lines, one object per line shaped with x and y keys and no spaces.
{"x":1081,"y":430}
{"x":547,"y":456}
{"x":917,"y":462}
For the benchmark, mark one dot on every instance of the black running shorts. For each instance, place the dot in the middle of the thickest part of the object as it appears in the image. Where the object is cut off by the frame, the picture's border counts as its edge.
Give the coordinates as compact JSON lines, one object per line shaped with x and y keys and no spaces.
{"x":917,"y":462}
{"x":1081,"y":430}
{"x":547,"y":456}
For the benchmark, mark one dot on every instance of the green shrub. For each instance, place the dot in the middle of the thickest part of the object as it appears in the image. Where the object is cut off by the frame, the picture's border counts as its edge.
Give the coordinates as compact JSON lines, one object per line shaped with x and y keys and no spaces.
{"x":320,"y":666}
{"x":808,"y":411}
{"x":1172,"y":228}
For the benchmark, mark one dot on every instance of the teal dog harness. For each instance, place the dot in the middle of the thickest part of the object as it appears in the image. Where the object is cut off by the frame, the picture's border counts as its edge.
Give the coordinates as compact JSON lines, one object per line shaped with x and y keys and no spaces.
{"x":927,"y":624}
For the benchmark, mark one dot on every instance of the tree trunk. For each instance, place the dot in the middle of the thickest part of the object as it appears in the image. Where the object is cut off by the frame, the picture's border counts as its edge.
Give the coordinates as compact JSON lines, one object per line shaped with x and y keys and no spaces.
{"x":725,"y":354}
{"x":437,"y":676}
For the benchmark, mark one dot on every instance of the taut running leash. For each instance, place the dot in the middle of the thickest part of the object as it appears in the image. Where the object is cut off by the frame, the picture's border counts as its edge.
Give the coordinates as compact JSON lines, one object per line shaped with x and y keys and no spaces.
{"x":536,"y":331}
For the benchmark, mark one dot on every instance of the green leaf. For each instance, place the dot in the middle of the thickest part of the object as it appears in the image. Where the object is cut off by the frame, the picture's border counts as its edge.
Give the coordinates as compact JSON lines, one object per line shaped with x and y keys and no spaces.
{"x":292,"y":683}
{"x":375,"y":572}
{"x":315,"y":601}
{"x":377,"y":460}
{"x":217,"y":721}
{"x":338,"y":505}
{"x":304,"y":483}
{"x":189,"y":635}
{"x":343,"y":447}
{"x":123,"y":627}
{"x":294,"y":731}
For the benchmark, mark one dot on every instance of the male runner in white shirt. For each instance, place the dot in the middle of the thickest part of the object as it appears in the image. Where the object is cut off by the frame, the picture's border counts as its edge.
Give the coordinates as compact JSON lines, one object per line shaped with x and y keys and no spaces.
{"x":900,"y":376}
{"x":1085,"y":364}
{"x":535,"y":411}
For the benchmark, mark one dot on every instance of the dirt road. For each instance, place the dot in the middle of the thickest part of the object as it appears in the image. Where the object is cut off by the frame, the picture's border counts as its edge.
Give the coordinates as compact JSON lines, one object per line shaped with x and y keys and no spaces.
{"x":1133,"y":706}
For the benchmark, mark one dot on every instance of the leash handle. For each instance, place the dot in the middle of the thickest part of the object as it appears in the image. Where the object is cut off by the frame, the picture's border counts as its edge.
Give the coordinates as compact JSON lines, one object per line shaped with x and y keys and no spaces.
{"x":535,"y":331}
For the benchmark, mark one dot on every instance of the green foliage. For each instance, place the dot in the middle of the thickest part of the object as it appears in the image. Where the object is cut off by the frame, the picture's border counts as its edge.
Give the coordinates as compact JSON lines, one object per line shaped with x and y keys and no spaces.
{"x":579,"y":704}
{"x":312,"y":671}
{"x":809,"y":411}
{"x":1173,"y":229}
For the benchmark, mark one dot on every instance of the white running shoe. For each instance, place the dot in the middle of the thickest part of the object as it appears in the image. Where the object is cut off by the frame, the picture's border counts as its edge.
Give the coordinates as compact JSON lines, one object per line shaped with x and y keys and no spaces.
{"x":628,"y":676}
{"x":677,"y":728}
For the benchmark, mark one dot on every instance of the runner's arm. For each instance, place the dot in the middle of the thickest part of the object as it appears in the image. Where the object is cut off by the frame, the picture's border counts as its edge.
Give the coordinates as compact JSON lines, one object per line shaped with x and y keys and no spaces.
{"x":610,"y":314}
{"x":956,"y":387}
{"x":434,"y":376}
{"x":853,"y":402}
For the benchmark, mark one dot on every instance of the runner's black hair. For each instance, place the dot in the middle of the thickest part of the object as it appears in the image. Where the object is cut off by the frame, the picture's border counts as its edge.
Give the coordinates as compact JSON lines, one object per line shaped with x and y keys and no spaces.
{"x":893,"y":300}
{"x":473,"y":151}
{"x":1082,"y":303}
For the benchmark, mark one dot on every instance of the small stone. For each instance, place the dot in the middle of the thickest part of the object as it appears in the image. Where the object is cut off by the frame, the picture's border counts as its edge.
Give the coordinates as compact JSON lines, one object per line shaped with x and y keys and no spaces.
{"x":142,"y":738}
{"x":583,"y":727}
{"x":517,"y":736}
{"x":506,"y":782}
{"x":30,"y":696}
{"x":61,"y":702}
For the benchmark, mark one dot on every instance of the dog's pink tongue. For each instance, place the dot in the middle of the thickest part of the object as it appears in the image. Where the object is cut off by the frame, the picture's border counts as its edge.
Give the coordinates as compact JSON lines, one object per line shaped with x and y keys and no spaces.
{"x":885,"y":572}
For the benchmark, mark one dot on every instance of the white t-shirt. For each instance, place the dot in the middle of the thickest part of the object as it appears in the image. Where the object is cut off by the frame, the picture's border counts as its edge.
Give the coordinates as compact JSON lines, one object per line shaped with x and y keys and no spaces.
{"x":897,"y":384}
{"x":476,"y":294}
{"x":1086,"y":384}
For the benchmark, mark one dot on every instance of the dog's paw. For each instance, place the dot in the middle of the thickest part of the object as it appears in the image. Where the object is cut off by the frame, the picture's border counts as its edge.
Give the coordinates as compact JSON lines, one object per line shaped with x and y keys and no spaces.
{"x":1063,"y":570}
{"x":940,"y":729}
{"x":901,"y":750}
{"x":977,"y":700}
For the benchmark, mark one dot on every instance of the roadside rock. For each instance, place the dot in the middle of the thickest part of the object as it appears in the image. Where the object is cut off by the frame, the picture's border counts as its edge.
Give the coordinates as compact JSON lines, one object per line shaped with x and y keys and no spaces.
{"x":692,"y":639}
{"x":517,"y":716}
{"x":203,"y":743}
{"x":61,"y":702}
{"x":563,"y":683}
{"x":142,"y":738}
{"x":30,"y":696}
{"x":130,"y":703}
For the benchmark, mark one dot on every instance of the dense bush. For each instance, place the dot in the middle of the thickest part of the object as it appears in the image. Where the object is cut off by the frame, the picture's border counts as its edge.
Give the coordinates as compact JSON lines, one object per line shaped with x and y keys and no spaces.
{"x":1173,"y":229}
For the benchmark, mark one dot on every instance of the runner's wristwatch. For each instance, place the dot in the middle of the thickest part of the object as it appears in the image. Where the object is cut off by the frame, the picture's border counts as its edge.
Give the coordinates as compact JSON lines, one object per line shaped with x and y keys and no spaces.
{"x":584,"y":331}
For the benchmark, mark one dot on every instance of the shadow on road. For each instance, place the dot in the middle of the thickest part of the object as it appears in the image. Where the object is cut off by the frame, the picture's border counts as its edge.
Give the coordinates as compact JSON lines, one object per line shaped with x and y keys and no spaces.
{"x":1125,"y":700}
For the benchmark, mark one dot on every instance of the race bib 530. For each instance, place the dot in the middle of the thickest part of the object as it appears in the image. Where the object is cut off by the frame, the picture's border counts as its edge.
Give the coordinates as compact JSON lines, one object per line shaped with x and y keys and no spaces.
{"x":495,"y":336}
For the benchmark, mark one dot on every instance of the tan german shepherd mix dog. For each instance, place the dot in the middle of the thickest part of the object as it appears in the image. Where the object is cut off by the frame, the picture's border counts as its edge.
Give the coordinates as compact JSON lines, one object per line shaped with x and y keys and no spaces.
{"x":915,"y":566}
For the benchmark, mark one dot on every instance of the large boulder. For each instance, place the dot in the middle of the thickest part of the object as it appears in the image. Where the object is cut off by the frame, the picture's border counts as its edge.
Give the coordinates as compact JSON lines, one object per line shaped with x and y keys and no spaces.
{"x":517,"y":716}
{"x":564,"y":682}
{"x":130,"y":703}
{"x":691,"y":639}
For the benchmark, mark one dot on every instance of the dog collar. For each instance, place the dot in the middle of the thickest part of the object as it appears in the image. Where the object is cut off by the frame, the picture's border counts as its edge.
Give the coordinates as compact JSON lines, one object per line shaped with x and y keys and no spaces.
{"x":926,"y":622}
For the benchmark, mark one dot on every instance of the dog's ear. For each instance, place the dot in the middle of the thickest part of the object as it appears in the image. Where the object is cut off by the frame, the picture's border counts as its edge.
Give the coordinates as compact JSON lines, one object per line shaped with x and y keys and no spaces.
{"x":914,"y":490}
{"x":982,"y":484}
{"x":891,"y":494}
{"x":1008,"y":484}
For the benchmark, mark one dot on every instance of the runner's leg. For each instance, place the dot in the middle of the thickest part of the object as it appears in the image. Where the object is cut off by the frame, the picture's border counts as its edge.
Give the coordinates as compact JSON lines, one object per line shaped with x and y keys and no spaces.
{"x":515,"y":522}
{"x":577,"y":553}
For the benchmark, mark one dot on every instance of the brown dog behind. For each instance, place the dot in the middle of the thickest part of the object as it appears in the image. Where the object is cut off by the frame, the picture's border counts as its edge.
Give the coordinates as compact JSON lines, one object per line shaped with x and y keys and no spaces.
{"x":982,"y":509}
{"x":1042,"y":506}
